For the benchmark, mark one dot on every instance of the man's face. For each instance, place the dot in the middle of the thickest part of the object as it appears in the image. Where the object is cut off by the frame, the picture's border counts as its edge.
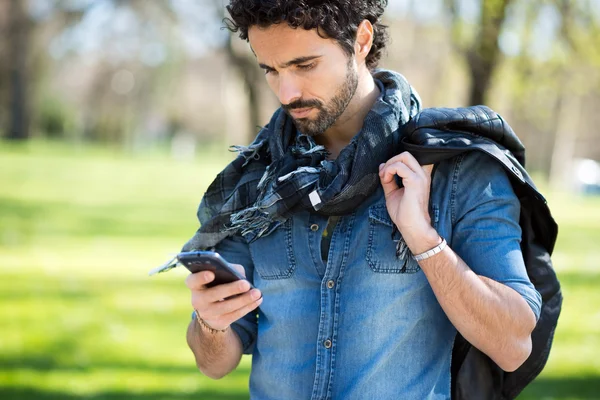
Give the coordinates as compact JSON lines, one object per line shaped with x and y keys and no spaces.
{"x":312,"y":77}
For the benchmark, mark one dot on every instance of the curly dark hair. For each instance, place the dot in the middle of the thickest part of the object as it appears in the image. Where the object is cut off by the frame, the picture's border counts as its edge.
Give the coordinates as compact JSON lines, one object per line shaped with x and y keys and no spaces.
{"x":338,"y":20}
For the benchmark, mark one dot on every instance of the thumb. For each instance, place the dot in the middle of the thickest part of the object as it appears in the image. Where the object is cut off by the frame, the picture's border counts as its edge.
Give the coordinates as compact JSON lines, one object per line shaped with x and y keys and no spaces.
{"x":388,"y":187}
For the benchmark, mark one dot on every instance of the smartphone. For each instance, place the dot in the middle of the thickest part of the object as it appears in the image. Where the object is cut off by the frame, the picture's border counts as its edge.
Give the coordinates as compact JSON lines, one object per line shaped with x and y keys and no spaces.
{"x":197,"y":261}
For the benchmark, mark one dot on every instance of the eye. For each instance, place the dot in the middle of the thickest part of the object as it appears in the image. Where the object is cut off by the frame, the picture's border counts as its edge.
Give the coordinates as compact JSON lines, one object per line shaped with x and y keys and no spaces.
{"x":306,"y":67}
{"x":268,"y":71}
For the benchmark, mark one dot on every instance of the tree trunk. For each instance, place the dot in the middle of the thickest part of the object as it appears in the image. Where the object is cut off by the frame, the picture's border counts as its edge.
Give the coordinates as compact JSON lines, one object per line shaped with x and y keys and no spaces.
{"x":249,"y":72}
{"x":18,"y":45}
{"x":565,"y":139}
{"x":484,"y":56}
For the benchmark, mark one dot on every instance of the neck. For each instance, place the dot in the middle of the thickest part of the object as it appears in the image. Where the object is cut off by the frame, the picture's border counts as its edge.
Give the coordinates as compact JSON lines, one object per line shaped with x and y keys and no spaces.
{"x":351,"y":121}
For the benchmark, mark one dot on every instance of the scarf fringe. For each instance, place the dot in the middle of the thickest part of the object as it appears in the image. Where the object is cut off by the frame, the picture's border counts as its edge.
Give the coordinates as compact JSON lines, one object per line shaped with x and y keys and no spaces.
{"x":249,"y":152}
{"x":251,"y":220}
{"x":314,"y":150}
{"x":308,"y":170}
{"x":264,"y":179}
{"x":402,"y":249}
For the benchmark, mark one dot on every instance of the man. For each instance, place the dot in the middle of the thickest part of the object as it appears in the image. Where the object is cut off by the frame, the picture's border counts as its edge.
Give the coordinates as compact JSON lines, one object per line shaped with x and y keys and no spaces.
{"x":360,"y":283}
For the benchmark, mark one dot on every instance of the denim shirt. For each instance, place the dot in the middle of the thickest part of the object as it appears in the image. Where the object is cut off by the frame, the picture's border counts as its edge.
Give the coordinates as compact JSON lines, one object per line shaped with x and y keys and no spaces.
{"x":366,"y":324}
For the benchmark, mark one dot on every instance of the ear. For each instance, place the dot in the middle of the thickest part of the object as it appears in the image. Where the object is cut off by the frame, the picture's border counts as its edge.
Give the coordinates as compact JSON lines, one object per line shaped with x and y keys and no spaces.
{"x":364,"y":40}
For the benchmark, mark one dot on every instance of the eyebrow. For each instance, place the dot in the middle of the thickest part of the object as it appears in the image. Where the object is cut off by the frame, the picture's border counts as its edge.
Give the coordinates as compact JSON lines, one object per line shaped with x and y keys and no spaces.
{"x":295,"y":61}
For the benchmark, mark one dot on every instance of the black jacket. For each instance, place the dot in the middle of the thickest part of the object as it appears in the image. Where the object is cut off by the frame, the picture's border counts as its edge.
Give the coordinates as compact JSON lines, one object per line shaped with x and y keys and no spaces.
{"x":436,"y":134}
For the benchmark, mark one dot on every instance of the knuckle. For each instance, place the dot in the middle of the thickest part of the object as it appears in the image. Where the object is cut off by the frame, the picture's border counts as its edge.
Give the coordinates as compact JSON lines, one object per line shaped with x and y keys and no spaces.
{"x":242,"y":286}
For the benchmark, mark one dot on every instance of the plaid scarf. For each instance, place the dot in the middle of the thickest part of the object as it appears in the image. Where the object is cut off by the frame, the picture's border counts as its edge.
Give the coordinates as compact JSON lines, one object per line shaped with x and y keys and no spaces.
{"x":284,"y":171}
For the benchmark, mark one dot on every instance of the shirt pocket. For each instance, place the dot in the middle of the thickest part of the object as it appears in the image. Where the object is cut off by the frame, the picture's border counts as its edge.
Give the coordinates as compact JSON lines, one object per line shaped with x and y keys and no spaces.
{"x":273,"y":254}
{"x":381,"y":249}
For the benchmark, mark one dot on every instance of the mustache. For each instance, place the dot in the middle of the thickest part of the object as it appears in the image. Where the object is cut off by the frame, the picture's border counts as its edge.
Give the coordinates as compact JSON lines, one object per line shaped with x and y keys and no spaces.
{"x":302,"y":104}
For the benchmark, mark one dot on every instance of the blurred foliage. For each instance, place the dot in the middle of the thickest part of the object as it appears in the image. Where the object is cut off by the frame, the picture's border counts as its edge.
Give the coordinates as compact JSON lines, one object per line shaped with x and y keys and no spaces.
{"x":135,"y":72}
{"x":80,"y":318}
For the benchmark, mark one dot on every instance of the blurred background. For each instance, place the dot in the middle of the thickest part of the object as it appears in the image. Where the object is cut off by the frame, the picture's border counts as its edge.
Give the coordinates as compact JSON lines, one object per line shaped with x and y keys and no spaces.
{"x":115,"y":115}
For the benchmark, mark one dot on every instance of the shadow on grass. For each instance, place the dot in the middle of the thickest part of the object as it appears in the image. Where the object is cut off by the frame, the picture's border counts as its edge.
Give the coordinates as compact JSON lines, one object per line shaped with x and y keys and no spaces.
{"x":43,"y":363}
{"x":580,"y":388}
{"x":584,"y":388}
{"x":31,"y":393}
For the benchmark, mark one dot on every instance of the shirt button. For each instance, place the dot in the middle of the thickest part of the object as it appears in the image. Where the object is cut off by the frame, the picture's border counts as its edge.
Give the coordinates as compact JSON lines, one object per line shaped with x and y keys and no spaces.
{"x":314,"y":227}
{"x":327,"y":344}
{"x":330,"y":284}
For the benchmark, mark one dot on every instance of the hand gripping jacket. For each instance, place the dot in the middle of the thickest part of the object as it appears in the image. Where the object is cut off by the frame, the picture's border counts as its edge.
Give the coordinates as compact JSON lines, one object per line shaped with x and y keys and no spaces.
{"x":437,"y":134}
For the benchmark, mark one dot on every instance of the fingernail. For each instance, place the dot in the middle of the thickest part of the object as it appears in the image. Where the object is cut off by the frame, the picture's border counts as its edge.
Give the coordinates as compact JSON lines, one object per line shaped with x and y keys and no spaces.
{"x":381,"y":166}
{"x":255,"y":294}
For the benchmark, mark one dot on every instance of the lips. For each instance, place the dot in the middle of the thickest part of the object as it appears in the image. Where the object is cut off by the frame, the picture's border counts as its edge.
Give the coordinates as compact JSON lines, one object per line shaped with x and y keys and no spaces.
{"x":301,"y":112}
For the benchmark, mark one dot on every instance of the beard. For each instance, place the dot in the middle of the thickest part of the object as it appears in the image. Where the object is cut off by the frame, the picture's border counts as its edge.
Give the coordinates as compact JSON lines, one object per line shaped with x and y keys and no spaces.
{"x":327,"y":113}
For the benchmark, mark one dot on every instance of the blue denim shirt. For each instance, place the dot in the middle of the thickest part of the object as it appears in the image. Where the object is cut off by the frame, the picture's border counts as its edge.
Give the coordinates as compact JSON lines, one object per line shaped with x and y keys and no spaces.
{"x":367,"y":325}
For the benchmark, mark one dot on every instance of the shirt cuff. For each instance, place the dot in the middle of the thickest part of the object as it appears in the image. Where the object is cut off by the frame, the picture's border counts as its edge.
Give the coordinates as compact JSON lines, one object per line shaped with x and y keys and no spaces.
{"x":246,"y":336}
{"x":531,"y":296}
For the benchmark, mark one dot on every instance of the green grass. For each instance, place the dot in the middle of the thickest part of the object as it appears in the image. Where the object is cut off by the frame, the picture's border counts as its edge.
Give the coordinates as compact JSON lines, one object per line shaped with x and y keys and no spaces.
{"x":79,"y":318}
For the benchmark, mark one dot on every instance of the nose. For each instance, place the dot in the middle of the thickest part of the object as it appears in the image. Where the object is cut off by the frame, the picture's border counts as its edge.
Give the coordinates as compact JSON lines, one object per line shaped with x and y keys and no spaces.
{"x":289,"y":89}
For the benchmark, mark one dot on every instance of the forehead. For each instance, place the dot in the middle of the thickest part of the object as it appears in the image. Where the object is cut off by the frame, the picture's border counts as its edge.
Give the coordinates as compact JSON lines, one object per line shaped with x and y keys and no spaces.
{"x":280,"y":43}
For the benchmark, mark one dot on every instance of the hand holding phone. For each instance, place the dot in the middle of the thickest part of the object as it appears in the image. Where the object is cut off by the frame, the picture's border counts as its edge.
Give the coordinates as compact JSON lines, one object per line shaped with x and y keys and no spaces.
{"x":224,"y":299}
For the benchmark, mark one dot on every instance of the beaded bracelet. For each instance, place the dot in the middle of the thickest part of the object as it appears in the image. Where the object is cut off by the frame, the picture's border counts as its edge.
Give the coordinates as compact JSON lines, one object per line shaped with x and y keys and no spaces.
{"x":207,"y":326}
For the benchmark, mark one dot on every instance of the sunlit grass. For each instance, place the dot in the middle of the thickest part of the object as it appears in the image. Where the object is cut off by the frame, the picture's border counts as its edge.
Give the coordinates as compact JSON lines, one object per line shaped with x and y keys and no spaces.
{"x":79,"y":318}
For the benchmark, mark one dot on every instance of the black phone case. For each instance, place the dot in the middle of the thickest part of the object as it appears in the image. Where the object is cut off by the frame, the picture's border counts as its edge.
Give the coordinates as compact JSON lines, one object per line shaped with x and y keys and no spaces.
{"x":197,"y":261}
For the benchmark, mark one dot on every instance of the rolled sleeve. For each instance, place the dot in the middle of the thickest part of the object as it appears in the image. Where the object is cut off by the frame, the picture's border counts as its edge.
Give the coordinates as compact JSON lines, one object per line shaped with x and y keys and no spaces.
{"x":486,"y":233}
{"x":235,"y":250}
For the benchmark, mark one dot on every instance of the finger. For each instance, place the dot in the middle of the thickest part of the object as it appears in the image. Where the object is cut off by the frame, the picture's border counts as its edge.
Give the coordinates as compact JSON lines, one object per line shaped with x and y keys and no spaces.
{"x":411,"y":161}
{"x":199,"y":280}
{"x":407,"y":159}
{"x":239,"y":268}
{"x":220,"y":292}
{"x":389,"y":185}
{"x":230,"y":305}
{"x":390,"y":171}
{"x":233,"y":316}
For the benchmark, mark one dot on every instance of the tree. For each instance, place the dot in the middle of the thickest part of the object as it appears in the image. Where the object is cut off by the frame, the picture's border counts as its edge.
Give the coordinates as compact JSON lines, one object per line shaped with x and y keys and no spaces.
{"x":26,"y":39}
{"x":18,"y":37}
{"x":580,"y":34}
{"x":481,"y":51}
